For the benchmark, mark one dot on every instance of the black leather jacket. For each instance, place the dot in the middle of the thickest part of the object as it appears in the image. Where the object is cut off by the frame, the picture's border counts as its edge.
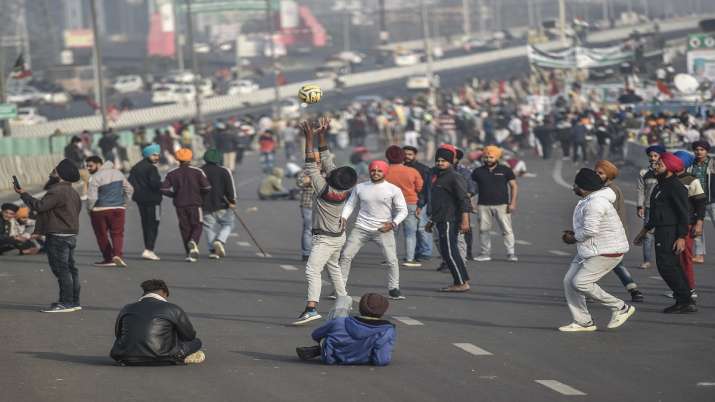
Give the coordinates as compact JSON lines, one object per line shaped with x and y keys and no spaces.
{"x":150,"y":331}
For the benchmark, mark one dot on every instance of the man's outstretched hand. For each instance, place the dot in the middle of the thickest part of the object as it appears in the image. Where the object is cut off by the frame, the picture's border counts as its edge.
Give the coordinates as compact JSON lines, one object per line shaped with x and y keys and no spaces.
{"x":306,"y":129}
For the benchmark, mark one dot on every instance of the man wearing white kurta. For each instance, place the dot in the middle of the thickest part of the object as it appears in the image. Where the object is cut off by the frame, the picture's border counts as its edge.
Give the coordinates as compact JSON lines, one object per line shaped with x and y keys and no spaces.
{"x":382,"y":208}
{"x":600,"y":243}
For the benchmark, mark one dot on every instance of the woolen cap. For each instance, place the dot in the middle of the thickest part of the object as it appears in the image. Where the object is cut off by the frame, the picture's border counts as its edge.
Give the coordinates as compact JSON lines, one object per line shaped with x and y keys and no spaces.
{"x":342,"y":178}
{"x":587,"y":179}
{"x":373,"y":305}
{"x":67,"y":171}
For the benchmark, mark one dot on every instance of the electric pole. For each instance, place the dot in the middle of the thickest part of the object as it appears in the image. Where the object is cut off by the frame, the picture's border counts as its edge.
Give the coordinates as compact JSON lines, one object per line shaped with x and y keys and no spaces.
{"x":6,"y":131}
{"x":562,"y":20}
{"x":98,"y":73}
{"x":274,"y":67}
{"x":194,"y":61}
{"x":467,"y":18}
{"x":384,"y":35}
{"x":177,"y":33}
{"x":428,"y":50}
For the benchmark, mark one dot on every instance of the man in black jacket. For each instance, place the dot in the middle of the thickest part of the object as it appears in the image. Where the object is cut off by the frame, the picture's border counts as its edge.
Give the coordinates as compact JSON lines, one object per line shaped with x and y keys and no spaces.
{"x":145,"y":179}
{"x":153,"y":331}
{"x":218,"y":203}
{"x":448,"y":208}
{"x":669,"y":217}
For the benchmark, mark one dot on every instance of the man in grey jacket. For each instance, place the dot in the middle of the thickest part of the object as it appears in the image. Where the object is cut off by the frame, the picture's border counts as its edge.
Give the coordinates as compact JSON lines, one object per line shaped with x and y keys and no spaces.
{"x":331,"y":194}
{"x":601,"y":243}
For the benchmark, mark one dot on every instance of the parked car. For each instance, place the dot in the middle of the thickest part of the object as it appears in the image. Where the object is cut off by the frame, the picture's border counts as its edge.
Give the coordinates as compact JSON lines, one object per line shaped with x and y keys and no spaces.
{"x":241,"y":87}
{"x":422,"y":82}
{"x":25,"y":95}
{"x":128,"y":83}
{"x":350,"y":57}
{"x":28,"y":116}
{"x":180,"y":77}
{"x":164,"y":93}
{"x":406,"y":58}
{"x":332,"y":68}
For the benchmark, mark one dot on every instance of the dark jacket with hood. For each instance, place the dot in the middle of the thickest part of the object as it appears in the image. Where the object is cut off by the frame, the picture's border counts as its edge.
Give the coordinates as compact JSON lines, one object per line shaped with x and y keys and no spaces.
{"x":150,"y":331}
{"x":145,"y":179}
{"x":222,"y":188}
{"x":356,"y":340}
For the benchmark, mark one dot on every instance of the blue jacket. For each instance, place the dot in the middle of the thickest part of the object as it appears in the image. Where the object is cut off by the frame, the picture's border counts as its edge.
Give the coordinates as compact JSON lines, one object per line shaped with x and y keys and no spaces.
{"x":356,"y":340}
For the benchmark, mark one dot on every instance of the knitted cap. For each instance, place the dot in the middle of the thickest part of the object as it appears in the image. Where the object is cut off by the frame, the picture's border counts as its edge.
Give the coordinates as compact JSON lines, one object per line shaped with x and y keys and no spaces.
{"x":373,"y":305}
{"x":587,"y":179}
{"x":67,"y":171}
{"x":342,"y":178}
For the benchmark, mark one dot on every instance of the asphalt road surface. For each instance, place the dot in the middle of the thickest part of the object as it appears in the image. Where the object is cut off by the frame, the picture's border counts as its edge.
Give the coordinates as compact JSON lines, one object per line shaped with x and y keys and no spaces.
{"x":497,"y":343}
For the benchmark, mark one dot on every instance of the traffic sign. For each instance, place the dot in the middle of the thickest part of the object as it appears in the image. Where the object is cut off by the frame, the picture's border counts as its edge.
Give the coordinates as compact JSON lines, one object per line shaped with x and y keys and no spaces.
{"x":701,"y":41}
{"x":8,"y":111}
{"x":219,"y":6}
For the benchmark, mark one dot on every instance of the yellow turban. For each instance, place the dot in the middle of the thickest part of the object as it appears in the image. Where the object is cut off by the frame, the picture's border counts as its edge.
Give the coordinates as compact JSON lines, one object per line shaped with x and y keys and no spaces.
{"x":493,"y":150}
{"x":184,"y":155}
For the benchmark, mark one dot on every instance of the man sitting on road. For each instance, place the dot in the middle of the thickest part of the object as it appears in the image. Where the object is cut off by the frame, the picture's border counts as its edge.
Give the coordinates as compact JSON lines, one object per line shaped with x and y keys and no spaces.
{"x":153,"y":331}
{"x":367,"y":339}
{"x":10,"y":238}
{"x":272,"y":187}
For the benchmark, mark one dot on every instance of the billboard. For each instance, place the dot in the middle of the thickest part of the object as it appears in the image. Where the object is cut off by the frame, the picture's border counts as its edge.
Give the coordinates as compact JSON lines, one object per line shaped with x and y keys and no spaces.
{"x":701,"y":64}
{"x":78,"y":38}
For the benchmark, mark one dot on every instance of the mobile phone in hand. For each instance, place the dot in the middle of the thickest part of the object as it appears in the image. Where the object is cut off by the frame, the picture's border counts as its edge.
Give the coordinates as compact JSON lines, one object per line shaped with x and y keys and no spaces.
{"x":16,"y":183}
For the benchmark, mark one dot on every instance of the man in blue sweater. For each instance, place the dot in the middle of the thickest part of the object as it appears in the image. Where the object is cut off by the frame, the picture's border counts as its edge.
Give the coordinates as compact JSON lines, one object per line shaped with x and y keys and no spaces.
{"x":367,"y":339}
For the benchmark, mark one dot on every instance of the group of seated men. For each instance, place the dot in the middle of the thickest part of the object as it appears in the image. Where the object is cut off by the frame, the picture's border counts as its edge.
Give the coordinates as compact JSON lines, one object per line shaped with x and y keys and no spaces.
{"x":16,"y":231}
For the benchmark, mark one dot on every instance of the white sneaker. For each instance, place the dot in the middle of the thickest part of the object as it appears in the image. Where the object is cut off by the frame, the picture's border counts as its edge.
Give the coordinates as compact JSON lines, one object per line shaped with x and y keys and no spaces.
{"x":482,"y":258}
{"x":190,"y":259}
{"x":512,"y":258}
{"x":213,"y":256}
{"x":575,"y":327}
{"x":621,"y":316}
{"x":119,"y":261}
{"x":219,"y":248}
{"x":150,"y":255}
{"x":193,"y":249}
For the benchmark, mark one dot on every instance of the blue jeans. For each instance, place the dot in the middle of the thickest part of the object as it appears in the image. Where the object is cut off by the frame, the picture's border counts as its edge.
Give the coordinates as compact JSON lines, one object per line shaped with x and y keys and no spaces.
{"x":624,"y":276}
{"x":306,"y":239}
{"x":648,"y":242}
{"x":423,"y":248}
{"x":700,"y":248}
{"x":268,"y":161}
{"x":224,"y":219}
{"x":60,"y":256}
{"x":409,"y":226}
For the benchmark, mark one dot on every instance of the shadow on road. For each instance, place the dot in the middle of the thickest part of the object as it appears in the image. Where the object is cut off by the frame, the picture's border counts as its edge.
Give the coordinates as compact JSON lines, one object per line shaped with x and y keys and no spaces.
{"x":276,"y":358}
{"x":65,"y":358}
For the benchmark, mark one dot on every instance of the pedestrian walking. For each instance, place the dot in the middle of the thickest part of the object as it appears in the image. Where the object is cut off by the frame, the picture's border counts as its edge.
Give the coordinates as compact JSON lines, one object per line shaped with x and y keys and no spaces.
{"x":423,"y":247}
{"x":381,"y":208}
{"x":331,"y":194}
{"x":448,"y":213}
{"x":58,"y":220}
{"x":410,"y":182}
{"x":187,"y":185}
{"x":704,"y":169}
{"x":600,"y":243}
{"x":498,"y":191}
{"x":218,"y":203}
{"x":145,"y":178}
{"x":669,"y":218}
{"x":107,"y":198}
{"x":646,"y":183}
{"x":608,"y":172}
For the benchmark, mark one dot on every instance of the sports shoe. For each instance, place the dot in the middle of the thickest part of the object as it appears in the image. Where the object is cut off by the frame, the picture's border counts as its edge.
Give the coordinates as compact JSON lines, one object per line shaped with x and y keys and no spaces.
{"x":307,"y":316}
{"x":308,"y":352}
{"x":58,"y":308}
{"x":332,"y":296}
{"x":195,"y":358}
{"x":190,"y":259}
{"x":105,"y":264}
{"x":636,"y":295}
{"x":575,"y":327}
{"x":412,"y":263}
{"x":699,"y":259}
{"x":482,"y":258}
{"x":76,"y":307}
{"x":680,"y":309}
{"x":693,"y":294}
{"x":512,"y":258}
{"x":193,"y":249}
{"x":119,"y":261}
{"x":214,"y":256}
{"x":150,"y":255}
{"x":396,"y":295}
{"x":621,"y":316}
{"x":645,"y":265}
{"x":219,"y":249}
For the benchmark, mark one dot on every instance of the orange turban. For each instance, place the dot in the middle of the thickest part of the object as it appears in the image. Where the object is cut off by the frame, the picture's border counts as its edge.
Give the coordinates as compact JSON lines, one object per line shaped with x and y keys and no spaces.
{"x":493,"y":150}
{"x":23,"y":213}
{"x":609,"y":168}
{"x":184,"y":155}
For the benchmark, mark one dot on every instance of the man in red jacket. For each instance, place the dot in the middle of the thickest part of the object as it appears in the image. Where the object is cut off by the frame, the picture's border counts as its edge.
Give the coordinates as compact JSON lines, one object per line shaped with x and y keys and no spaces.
{"x":187,"y":185}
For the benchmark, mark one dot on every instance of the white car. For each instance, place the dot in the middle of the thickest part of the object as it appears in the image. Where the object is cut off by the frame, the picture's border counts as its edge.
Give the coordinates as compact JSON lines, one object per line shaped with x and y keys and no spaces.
{"x":422,"y":82}
{"x":350,"y":57}
{"x":206,"y":87}
{"x":26,"y":94}
{"x":202,"y":48}
{"x":164,"y":93}
{"x":241,"y":87}
{"x":290,"y":108}
{"x":181,"y":77}
{"x":406,"y":58}
{"x":128,"y":83}
{"x":28,"y":116}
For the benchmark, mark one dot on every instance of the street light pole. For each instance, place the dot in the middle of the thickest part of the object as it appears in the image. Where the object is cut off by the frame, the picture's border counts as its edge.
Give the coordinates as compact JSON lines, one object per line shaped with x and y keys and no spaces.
{"x":428,"y":51}
{"x":271,"y":30}
{"x":194,"y":61}
{"x":6,"y":132}
{"x":177,"y":37}
{"x":562,"y":20}
{"x":467,"y":15}
{"x":98,"y":73}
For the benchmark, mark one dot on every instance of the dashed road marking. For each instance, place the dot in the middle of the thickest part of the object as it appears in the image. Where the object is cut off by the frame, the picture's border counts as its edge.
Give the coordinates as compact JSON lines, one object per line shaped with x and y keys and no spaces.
{"x":559,"y":252}
{"x":243,"y":243}
{"x":233,"y":235}
{"x":259,"y":254}
{"x":706,"y":384}
{"x":289,"y":267}
{"x":523,"y":242}
{"x":560,"y":387}
{"x":473,"y":349}
{"x":407,"y":320}
{"x":657,"y":278}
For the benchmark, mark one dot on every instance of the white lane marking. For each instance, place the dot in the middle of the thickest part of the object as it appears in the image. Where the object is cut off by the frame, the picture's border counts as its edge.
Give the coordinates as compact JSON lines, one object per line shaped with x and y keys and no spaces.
{"x":524,"y":242}
{"x":559,"y":252}
{"x":473,"y":349}
{"x":264,"y":256}
{"x":289,"y":267}
{"x":233,"y":235}
{"x":243,"y":243}
{"x":706,"y":384}
{"x":560,"y":387}
{"x":556,"y":174}
{"x":407,"y":320}
{"x":657,"y":278}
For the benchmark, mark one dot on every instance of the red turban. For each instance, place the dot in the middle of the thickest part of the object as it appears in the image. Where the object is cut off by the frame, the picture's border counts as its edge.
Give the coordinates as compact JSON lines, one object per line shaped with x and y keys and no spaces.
{"x":672,"y":162}
{"x":382,"y":166}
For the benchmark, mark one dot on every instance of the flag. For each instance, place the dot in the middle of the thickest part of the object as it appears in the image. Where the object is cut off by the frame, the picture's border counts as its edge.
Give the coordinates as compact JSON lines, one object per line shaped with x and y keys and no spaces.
{"x":20,"y":70}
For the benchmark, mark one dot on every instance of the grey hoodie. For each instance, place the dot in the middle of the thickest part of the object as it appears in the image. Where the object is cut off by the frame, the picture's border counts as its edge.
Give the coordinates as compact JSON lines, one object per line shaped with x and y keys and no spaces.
{"x":329,"y":202}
